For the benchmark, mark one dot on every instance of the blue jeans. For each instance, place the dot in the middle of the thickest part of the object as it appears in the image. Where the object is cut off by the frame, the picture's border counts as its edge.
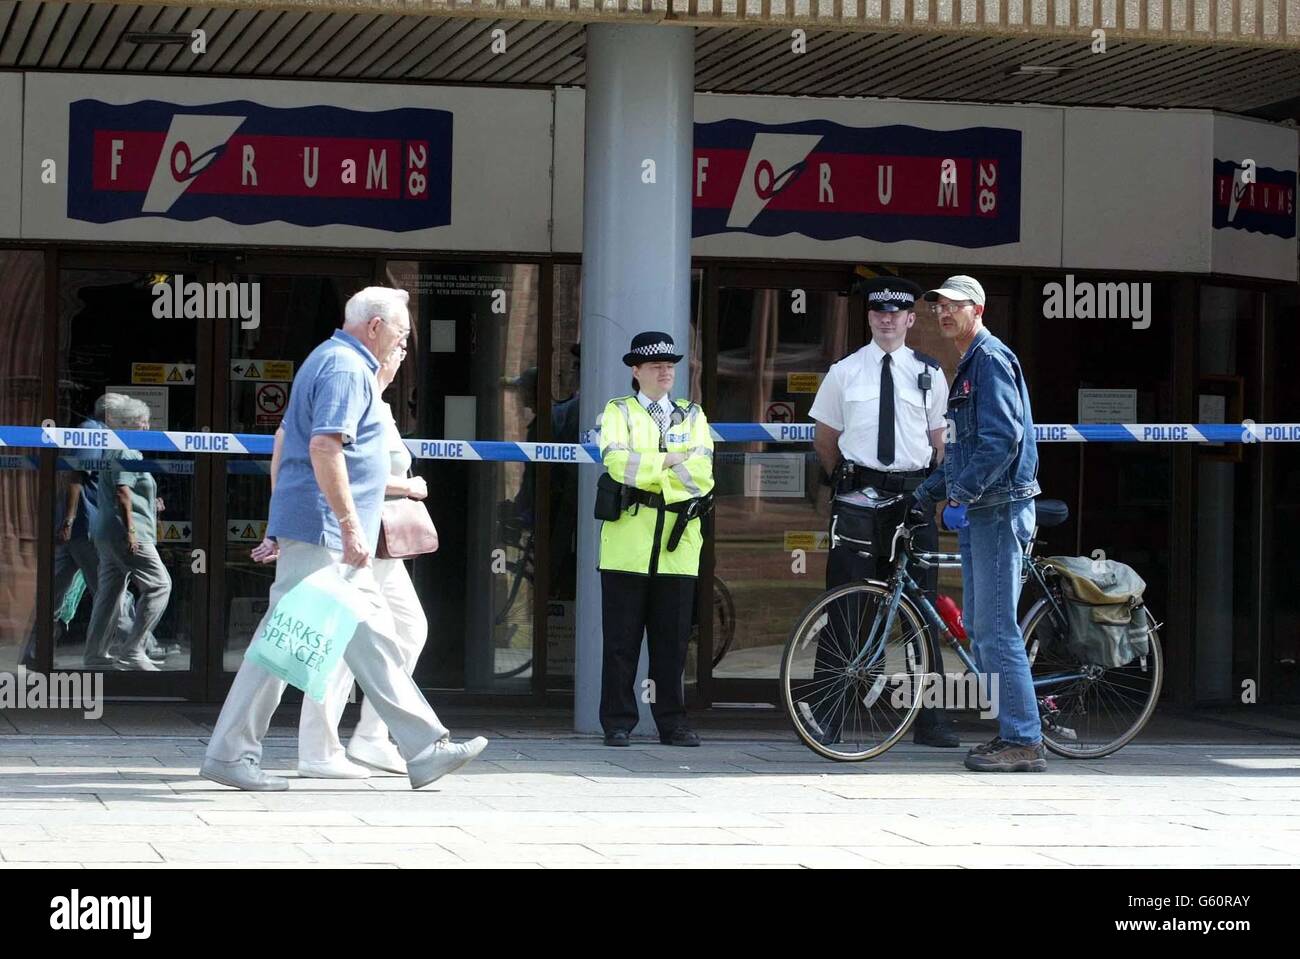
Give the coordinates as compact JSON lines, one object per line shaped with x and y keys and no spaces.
{"x":991,"y":549}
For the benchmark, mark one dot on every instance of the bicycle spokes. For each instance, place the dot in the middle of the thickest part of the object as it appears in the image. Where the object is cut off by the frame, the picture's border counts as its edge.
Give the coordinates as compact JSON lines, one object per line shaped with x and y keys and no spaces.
{"x":1088,"y":711}
{"x":852,"y":672}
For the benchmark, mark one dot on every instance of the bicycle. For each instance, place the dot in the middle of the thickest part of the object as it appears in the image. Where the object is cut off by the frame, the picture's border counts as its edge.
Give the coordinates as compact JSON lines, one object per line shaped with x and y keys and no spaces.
{"x":863,"y":695}
{"x":514,"y":614}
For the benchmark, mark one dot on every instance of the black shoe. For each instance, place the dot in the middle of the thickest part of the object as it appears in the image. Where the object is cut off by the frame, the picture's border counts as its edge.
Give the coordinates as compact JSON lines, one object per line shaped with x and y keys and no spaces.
{"x":618,"y":737}
{"x":681,"y":736}
{"x":934,"y":727}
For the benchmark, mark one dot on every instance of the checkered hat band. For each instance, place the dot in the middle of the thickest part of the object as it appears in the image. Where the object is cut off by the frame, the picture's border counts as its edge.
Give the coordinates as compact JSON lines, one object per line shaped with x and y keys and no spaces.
{"x":890,"y":296}
{"x":657,"y":348}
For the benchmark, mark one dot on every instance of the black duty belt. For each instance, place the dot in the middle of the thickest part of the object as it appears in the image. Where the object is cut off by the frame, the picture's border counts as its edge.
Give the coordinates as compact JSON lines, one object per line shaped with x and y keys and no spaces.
{"x":854,"y":477}
{"x":686,"y":510}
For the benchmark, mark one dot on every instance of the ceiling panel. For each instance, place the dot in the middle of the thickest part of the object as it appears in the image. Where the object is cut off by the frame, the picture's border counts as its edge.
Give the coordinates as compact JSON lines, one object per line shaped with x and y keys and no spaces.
{"x":917,"y":65}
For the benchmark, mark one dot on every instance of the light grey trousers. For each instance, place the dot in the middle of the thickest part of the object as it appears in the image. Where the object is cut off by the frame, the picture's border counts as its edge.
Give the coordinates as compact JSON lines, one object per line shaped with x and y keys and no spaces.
{"x":117,"y":564}
{"x":318,"y":725}
{"x":374,"y":656}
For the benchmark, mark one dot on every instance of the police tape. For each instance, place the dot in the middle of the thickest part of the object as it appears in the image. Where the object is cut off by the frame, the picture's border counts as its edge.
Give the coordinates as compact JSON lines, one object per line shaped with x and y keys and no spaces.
{"x":172,"y":441}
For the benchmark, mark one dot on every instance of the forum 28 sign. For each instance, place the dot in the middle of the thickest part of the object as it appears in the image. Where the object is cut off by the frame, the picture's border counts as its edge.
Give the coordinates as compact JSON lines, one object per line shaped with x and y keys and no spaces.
{"x":828,"y":182}
{"x":246,"y":163}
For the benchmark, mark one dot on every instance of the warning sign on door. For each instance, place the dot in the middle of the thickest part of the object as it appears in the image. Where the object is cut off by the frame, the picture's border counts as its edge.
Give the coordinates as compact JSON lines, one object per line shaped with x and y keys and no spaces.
{"x":810,"y":541}
{"x":246,"y":530}
{"x":177,"y":531}
{"x":276,"y":371}
{"x":802,"y":382}
{"x":172,"y":374}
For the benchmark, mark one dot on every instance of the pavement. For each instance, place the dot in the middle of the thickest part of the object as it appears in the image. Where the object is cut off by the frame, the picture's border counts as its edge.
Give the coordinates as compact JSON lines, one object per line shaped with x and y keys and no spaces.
{"x":1200,"y":789}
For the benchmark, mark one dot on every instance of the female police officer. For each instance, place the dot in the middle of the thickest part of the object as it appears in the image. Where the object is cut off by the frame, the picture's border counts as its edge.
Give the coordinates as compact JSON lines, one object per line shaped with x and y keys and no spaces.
{"x":658,"y":455}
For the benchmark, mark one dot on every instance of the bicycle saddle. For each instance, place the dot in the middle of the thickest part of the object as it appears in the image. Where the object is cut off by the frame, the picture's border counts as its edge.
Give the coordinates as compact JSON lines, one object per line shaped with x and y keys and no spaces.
{"x":1051,"y":512}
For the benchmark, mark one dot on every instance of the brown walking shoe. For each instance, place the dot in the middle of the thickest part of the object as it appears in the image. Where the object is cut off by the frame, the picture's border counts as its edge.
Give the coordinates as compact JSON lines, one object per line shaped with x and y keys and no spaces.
{"x":1000,"y":756}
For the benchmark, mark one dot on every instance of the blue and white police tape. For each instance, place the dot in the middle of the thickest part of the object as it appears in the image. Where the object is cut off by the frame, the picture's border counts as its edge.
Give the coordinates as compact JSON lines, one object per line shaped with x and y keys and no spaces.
{"x":171,"y":441}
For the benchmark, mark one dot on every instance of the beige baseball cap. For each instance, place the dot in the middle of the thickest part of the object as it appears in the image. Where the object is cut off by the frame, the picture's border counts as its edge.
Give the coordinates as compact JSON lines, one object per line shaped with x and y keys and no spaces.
{"x":958,"y":287}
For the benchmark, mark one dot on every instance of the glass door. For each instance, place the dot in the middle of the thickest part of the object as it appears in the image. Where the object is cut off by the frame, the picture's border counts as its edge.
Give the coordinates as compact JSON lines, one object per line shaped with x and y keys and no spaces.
{"x":775,"y":335}
{"x":298,"y":303}
{"x":134,"y":352}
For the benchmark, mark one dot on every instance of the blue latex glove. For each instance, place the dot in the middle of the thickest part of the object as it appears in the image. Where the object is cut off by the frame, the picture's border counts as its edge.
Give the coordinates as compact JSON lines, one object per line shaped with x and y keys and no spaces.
{"x":954,"y":517}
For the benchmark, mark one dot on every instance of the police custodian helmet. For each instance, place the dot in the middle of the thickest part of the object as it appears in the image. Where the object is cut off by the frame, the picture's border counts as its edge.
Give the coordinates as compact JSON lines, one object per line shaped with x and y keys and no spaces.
{"x":651,"y":347}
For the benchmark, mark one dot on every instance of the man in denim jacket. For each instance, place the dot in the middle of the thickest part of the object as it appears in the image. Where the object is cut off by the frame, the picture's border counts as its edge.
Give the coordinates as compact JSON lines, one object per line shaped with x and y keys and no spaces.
{"x":990,"y":466}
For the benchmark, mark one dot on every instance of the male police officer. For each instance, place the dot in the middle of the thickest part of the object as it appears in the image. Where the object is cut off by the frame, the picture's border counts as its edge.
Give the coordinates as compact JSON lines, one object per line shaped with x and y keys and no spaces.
{"x":880,"y":424}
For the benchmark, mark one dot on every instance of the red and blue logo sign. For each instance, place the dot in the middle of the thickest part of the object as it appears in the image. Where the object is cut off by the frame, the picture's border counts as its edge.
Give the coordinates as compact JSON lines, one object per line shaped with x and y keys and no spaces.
{"x":246,"y":163}
{"x":829,"y":182}
{"x":1262,"y":203}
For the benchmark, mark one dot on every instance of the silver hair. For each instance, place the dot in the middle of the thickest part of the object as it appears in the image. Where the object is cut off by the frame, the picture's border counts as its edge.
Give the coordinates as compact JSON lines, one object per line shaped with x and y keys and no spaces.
{"x":128,"y":410}
{"x":382,"y":301}
{"x":108,"y":405}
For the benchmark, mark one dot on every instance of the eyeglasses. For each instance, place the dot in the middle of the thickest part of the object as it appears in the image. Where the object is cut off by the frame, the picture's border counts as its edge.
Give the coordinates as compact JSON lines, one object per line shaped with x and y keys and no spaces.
{"x":405,"y":332}
{"x":952,"y":307}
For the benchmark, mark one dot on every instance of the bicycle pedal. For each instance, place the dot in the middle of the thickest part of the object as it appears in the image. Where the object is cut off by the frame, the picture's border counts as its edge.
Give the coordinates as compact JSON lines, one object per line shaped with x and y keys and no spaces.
{"x":1063,"y":732}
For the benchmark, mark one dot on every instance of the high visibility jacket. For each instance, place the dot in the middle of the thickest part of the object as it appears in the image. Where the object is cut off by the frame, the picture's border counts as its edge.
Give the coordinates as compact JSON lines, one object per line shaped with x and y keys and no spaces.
{"x":631,"y":450}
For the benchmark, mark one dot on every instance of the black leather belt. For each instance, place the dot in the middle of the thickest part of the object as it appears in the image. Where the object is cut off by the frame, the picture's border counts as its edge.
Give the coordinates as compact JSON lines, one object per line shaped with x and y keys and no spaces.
{"x":858,"y":477}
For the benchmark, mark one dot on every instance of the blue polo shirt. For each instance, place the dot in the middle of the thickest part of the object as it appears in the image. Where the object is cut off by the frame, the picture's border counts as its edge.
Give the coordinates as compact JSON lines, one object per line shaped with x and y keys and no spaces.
{"x":335,"y":391}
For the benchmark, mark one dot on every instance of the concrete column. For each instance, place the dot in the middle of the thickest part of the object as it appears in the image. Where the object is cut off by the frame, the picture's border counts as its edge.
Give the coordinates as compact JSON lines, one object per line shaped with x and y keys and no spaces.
{"x":636,"y":260}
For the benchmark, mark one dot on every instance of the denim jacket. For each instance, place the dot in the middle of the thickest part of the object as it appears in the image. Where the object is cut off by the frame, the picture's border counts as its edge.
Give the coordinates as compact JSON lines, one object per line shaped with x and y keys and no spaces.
{"x":990,"y":454}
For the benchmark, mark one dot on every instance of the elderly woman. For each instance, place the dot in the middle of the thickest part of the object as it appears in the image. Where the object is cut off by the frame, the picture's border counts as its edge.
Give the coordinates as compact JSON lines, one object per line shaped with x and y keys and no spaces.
{"x":125,"y":534}
{"x":320,"y":753}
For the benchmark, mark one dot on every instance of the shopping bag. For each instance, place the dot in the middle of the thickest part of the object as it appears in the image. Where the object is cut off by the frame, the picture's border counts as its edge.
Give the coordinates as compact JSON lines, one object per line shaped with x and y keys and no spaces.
{"x":303,"y":636}
{"x":67,"y":611}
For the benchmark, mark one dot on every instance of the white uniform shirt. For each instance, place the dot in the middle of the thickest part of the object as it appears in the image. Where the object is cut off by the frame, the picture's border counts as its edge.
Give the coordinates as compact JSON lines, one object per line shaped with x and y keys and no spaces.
{"x":849,"y":400}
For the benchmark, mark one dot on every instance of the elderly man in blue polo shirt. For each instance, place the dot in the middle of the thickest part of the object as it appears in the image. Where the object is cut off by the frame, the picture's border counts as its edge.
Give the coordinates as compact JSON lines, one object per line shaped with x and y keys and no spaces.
{"x":325,"y":511}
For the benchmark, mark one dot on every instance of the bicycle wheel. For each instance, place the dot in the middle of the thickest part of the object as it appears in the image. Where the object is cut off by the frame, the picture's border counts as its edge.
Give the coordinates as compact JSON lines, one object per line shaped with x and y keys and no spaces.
{"x":851,"y":688}
{"x":724,"y":620}
{"x":1094,"y":714}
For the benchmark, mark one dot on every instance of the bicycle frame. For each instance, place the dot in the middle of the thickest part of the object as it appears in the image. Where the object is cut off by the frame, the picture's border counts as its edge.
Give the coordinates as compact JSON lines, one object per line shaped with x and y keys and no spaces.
{"x":902,"y":583}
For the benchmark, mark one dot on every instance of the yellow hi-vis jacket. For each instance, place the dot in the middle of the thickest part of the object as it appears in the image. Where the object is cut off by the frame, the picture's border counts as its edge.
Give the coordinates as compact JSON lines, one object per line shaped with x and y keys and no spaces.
{"x":631,"y":451}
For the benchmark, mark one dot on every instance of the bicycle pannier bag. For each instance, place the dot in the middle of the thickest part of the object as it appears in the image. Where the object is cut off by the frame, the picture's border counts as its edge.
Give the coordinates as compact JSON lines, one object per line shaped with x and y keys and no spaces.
{"x":865,"y":520}
{"x":1109,"y":625}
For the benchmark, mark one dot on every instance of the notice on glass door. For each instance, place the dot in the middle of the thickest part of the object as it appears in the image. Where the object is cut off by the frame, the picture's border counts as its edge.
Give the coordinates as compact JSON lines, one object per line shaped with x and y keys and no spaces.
{"x":155,"y":397}
{"x":774,"y":474}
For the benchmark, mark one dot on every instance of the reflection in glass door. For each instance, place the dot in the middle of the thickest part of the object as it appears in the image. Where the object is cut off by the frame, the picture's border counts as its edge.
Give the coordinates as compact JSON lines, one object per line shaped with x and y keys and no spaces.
{"x":129,"y":359}
{"x":473,"y":375}
{"x":773,"y":347}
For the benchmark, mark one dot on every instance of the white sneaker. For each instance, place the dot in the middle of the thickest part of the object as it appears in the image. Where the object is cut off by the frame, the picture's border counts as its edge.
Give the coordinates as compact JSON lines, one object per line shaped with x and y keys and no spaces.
{"x":377,"y":754}
{"x":337,"y":768}
{"x":441,"y":758}
{"x":140,"y":662}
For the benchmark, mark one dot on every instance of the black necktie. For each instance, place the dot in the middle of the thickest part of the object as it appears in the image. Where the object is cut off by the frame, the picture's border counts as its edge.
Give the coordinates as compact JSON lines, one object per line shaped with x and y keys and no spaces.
{"x":885,"y":436}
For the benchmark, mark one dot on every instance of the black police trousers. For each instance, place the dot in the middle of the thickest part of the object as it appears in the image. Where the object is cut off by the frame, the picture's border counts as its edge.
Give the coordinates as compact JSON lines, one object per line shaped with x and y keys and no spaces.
{"x":661,"y":608}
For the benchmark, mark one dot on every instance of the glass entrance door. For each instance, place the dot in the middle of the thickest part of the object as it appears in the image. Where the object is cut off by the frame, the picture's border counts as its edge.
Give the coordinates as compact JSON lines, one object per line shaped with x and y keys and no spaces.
{"x":299,"y":304}
{"x":776,"y":335}
{"x":132,"y":537}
